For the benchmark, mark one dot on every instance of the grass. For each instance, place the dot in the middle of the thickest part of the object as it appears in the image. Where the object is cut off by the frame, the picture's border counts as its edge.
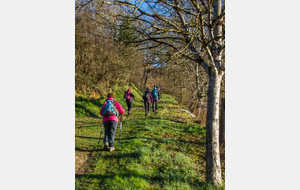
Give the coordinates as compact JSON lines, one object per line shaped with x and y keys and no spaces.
{"x":162,"y":151}
{"x":85,"y":107}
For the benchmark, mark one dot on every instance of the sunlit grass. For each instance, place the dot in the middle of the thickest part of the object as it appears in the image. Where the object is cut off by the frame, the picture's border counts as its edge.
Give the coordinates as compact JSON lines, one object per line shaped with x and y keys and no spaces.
{"x":162,"y":151}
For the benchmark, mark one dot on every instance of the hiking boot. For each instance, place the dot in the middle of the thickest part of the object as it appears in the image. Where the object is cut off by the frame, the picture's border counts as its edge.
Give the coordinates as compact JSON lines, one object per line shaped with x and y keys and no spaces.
{"x":111,"y":149}
{"x":106,"y":146}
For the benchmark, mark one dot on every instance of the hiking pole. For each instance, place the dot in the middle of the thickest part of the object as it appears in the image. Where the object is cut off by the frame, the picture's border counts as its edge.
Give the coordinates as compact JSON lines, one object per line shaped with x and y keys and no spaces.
{"x":100,"y":134}
{"x":120,"y":130}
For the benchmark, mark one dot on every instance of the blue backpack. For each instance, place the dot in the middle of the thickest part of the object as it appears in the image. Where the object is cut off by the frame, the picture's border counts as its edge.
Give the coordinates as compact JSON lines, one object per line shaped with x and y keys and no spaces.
{"x":154,"y":93}
{"x":110,"y":108}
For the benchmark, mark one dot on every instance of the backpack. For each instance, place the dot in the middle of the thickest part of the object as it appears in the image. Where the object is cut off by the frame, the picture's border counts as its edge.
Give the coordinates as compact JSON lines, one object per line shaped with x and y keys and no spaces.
{"x":154,"y":93}
{"x":127,"y":95}
{"x":110,"y":108}
{"x":146,"y":96}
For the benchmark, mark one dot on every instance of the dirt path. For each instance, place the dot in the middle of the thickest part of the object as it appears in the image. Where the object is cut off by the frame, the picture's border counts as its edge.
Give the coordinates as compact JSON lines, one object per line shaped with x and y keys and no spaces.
{"x":81,"y":163}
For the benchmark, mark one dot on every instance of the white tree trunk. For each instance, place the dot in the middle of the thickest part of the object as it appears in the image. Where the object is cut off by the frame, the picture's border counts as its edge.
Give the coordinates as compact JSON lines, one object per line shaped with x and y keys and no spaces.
{"x":222,"y":123}
{"x":213,"y":163}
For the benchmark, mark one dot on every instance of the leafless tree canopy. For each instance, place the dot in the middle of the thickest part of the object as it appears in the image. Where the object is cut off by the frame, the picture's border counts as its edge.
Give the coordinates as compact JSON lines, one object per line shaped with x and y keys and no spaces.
{"x":177,"y":43}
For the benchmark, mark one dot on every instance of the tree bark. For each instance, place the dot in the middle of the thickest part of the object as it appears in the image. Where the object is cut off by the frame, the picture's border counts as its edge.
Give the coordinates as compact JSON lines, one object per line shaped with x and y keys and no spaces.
{"x":198,"y":82}
{"x":146,"y":74}
{"x":213,"y":163}
{"x":222,"y":123}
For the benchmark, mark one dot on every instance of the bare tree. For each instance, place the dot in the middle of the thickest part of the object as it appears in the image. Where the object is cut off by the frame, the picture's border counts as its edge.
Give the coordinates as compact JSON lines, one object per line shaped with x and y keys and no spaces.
{"x":192,"y":29}
{"x":195,"y":30}
{"x":100,"y":59}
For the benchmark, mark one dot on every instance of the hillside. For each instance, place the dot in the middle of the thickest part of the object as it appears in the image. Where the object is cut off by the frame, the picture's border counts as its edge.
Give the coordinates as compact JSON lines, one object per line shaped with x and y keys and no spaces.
{"x":165,"y":150}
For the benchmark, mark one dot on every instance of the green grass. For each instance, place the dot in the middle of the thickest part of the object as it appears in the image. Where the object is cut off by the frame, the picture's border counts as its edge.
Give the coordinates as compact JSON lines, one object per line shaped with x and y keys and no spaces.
{"x":85,"y":107}
{"x":162,"y":151}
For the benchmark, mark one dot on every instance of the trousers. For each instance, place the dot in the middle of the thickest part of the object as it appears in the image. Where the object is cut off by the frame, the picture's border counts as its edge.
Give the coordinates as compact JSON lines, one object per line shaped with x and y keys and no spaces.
{"x":110,"y":132}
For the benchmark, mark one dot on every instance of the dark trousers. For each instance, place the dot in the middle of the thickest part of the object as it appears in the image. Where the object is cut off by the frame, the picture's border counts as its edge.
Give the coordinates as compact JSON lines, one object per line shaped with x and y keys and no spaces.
{"x":155,"y":101}
{"x":129,"y":104}
{"x":147,"y":107}
{"x":110,"y":132}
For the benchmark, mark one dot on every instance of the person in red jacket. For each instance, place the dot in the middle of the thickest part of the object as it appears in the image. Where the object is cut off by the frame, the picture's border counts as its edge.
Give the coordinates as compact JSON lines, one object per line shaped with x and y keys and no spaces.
{"x":111,"y":123}
{"x":147,"y":101}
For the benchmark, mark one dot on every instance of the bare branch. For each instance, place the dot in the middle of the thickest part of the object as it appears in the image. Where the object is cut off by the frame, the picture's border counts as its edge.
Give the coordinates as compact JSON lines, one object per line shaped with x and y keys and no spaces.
{"x":138,"y":6}
{"x":82,"y":5}
{"x":218,"y":18}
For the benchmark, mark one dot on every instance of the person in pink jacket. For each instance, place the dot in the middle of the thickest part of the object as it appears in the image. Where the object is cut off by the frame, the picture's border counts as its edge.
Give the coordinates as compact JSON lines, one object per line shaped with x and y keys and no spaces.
{"x":111,"y":123}
{"x":128,"y":97}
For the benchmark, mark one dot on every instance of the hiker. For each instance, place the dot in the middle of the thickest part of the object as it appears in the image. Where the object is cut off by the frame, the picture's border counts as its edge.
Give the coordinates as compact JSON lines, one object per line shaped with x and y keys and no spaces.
{"x":159,"y":89}
{"x":155,"y":95}
{"x":128,"y":96}
{"x":147,"y":100}
{"x":109,"y":111}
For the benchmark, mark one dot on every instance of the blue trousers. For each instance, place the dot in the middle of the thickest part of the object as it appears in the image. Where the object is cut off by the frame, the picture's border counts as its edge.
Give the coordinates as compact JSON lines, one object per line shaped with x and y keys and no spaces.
{"x":110,"y":132}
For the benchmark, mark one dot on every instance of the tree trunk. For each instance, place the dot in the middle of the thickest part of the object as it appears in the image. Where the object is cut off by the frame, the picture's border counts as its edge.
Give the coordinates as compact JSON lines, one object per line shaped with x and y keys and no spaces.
{"x":222,"y":123}
{"x":213,"y":164}
{"x":198,"y":82}
{"x":143,"y":79}
{"x":146,"y":79}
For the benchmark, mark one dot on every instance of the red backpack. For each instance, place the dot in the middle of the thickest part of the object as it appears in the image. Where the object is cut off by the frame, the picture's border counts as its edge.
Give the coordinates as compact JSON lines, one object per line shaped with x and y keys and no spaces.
{"x":127,"y":95}
{"x":146,"y":96}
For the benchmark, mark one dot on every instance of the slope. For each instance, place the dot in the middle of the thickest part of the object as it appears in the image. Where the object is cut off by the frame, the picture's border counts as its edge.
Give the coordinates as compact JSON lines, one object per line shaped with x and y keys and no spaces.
{"x":165,"y":150}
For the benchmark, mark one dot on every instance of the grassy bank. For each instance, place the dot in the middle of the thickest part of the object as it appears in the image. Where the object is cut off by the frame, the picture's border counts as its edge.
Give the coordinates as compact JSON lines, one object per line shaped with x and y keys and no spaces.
{"x":165,"y":150}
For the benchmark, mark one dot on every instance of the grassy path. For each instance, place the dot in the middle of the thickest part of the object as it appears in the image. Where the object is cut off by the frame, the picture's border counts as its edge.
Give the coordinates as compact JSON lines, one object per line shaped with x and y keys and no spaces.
{"x":162,"y":151}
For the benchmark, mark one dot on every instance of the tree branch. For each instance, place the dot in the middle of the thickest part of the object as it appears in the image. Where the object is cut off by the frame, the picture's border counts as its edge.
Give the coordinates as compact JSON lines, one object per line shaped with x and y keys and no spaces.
{"x":82,"y":5}
{"x":218,"y":18}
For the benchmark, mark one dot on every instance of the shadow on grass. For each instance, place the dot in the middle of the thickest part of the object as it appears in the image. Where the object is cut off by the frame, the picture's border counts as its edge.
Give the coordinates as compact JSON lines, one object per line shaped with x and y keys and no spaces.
{"x":96,"y":102}
{"x":177,"y":121}
{"x":99,"y":149}
{"x":159,"y":140}
{"x":126,"y":155}
{"x":87,"y":137}
{"x":91,"y":114}
{"x":166,"y":140}
{"x":152,"y":179}
{"x":88,"y":126}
